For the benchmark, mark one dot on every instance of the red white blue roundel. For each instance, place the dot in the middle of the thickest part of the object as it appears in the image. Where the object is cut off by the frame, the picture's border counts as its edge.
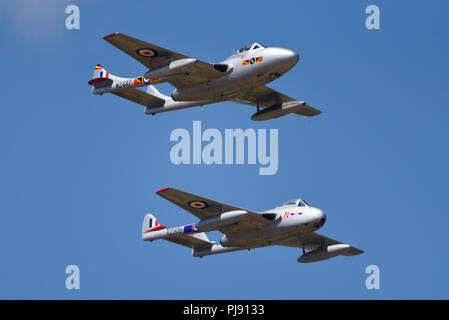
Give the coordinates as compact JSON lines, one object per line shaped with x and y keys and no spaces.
{"x":146,"y":52}
{"x":146,"y":80}
{"x":198,"y":204}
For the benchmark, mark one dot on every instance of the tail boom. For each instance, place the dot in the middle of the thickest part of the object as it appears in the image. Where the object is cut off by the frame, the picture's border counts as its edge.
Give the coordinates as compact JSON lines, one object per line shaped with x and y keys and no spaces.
{"x":153,"y":101}
{"x":104,"y":81}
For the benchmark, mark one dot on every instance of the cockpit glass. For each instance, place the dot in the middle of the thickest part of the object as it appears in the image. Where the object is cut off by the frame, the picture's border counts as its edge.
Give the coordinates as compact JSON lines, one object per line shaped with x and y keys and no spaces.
{"x":252,"y":47}
{"x":290,"y":203}
{"x":297,"y":202}
{"x":245,"y":48}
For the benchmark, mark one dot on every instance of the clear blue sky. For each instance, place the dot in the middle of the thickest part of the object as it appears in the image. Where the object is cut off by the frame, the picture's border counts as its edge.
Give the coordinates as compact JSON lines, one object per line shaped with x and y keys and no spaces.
{"x":78,"y":172}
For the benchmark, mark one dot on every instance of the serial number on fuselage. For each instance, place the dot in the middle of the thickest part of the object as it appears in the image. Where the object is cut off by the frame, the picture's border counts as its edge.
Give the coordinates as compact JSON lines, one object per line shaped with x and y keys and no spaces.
{"x":124,"y":84}
{"x":176,"y":230}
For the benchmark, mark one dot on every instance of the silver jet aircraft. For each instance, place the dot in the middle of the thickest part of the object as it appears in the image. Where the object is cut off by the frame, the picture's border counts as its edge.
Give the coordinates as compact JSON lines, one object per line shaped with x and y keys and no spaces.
{"x":240,"y":78}
{"x":293,"y":225}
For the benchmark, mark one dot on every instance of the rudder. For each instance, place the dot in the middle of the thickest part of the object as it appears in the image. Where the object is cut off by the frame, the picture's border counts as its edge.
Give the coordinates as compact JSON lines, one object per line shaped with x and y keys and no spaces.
{"x":150,"y":223}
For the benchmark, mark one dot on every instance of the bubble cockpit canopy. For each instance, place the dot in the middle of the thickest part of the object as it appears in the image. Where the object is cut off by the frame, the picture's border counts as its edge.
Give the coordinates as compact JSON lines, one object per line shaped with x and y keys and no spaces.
{"x":254,"y":46}
{"x":297,"y":203}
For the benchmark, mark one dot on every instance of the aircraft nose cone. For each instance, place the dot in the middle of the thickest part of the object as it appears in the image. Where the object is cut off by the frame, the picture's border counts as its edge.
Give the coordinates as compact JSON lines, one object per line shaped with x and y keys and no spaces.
{"x":291,"y":56}
{"x":321,"y":218}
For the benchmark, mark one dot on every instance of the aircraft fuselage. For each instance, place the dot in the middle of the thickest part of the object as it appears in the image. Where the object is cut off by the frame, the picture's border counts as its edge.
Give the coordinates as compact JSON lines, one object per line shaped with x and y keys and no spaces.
{"x":246,"y":70}
{"x":288,"y":221}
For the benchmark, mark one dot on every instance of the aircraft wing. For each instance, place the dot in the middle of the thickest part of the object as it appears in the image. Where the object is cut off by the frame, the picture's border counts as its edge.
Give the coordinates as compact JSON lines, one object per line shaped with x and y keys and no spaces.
{"x":194,"y":241}
{"x":139,"y":97}
{"x":205,"y":208}
{"x":154,"y":57}
{"x":313,"y":240}
{"x":266,"y":97}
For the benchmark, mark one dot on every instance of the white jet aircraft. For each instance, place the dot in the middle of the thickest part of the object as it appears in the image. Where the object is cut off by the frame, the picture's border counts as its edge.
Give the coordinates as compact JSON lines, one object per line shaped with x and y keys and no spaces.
{"x":240,"y":78}
{"x":292,"y":224}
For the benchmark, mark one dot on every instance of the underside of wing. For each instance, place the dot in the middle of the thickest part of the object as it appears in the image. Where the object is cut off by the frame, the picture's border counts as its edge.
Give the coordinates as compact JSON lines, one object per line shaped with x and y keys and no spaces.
{"x":275,"y":104}
{"x":263,"y":97}
{"x":205,"y":208}
{"x":154,"y":57}
{"x":199,"y":240}
{"x":139,"y":97}
{"x":313,"y":241}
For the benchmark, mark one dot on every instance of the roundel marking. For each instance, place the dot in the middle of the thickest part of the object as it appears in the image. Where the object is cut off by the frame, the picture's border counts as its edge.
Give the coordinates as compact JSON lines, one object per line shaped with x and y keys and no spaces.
{"x":252,"y":60}
{"x":198,"y":204}
{"x":146,"y":52}
{"x":146,"y":80}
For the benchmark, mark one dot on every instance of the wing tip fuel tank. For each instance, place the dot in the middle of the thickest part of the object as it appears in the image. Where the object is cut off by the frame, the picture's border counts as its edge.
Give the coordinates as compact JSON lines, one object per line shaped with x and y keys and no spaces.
{"x":324,"y":253}
{"x":276,"y":111}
